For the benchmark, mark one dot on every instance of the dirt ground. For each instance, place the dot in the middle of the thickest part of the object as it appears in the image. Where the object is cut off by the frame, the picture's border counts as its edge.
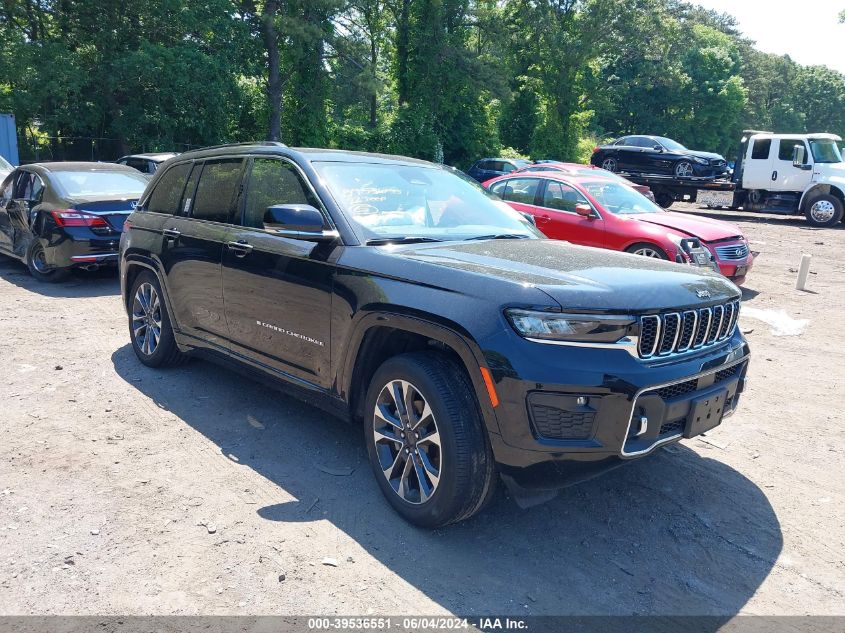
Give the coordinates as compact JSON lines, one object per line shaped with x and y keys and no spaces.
{"x":194,"y":491}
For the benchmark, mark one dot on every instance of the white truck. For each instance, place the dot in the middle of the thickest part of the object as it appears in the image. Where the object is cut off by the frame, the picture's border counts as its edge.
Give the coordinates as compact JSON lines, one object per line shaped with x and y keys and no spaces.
{"x":786,"y":173}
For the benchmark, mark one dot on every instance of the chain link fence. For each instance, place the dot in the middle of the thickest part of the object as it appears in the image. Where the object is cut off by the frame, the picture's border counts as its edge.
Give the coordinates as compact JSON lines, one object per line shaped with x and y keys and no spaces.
{"x":40,"y":148}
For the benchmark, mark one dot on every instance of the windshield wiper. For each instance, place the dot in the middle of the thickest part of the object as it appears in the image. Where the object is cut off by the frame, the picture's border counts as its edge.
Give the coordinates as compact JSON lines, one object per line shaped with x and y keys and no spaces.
{"x":501,"y":236}
{"x":407,"y":239}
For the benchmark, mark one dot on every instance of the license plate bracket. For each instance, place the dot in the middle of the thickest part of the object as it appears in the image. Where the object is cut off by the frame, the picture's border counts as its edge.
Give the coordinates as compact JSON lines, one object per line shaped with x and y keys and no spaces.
{"x":706,"y":413}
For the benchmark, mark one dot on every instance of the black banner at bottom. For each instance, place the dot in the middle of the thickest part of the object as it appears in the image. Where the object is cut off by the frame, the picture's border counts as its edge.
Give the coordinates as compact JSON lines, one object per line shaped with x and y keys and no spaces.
{"x":422,"y":624}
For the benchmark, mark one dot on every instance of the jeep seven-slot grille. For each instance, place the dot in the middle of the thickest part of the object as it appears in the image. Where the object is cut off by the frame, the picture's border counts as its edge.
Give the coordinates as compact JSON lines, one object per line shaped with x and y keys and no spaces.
{"x":675,"y":332}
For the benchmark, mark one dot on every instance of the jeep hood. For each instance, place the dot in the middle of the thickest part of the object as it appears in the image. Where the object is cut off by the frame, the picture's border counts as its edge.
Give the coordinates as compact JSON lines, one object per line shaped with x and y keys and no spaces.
{"x":706,"y":229}
{"x":576,"y":277}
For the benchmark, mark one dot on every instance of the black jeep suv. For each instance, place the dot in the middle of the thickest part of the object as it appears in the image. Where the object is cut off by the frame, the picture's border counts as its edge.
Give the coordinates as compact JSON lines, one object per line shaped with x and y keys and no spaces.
{"x":399,"y":294}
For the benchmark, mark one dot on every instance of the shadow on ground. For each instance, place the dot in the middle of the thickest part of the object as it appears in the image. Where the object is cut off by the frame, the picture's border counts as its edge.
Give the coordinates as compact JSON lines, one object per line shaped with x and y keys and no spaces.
{"x":81,"y":283}
{"x":673,"y":534}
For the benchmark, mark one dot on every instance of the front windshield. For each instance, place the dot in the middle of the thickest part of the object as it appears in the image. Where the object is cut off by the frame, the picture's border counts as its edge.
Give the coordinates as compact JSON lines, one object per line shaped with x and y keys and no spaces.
{"x":620,"y":199}
{"x":669,"y":144}
{"x":99,"y":182}
{"x":386,"y":201}
{"x":825,"y":151}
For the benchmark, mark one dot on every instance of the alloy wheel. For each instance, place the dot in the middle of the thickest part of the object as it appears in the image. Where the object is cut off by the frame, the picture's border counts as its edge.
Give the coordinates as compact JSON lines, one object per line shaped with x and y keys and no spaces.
{"x":407,"y":442}
{"x":648,"y":252}
{"x":146,"y":318}
{"x":39,"y":260}
{"x":683,"y":170}
{"x":822,"y":211}
{"x":609,"y":164}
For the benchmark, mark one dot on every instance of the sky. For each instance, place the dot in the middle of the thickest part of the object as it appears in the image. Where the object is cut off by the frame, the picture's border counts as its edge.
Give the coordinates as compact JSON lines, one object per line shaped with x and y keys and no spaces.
{"x":808,"y":30}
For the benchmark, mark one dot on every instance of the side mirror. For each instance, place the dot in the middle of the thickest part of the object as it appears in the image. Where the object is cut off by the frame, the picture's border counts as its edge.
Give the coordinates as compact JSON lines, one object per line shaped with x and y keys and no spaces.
{"x":529,"y":217}
{"x":798,"y":156}
{"x":584,"y":210}
{"x":299,"y":221}
{"x":658,"y":148}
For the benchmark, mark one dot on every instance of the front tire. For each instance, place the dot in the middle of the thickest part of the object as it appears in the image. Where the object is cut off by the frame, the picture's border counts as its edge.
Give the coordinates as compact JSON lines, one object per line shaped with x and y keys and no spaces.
{"x":824,"y":211}
{"x":36,"y":261}
{"x":149,"y":324}
{"x":426,"y":440}
{"x":647,"y":250}
{"x":684,"y":169}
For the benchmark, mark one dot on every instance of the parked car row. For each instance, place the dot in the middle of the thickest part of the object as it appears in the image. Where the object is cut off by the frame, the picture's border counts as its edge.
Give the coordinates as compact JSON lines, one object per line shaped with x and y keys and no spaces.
{"x":403,"y":296}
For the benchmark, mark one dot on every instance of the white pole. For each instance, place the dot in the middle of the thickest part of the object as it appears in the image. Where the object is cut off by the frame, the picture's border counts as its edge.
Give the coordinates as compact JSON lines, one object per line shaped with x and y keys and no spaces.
{"x":803,"y":271}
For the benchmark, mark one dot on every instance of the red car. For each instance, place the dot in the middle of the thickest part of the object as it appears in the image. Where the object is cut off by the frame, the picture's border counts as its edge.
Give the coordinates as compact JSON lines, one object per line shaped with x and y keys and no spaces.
{"x":597,"y":211}
{"x":576,"y":169}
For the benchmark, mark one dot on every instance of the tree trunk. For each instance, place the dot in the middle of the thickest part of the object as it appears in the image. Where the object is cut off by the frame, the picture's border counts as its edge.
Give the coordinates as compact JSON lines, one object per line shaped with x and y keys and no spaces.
{"x":403,"y":19}
{"x":274,"y":82}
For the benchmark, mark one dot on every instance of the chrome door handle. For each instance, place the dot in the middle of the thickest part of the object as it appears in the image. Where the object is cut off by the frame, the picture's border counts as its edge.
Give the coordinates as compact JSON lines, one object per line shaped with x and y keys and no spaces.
{"x":242,"y":249}
{"x":171,"y":234}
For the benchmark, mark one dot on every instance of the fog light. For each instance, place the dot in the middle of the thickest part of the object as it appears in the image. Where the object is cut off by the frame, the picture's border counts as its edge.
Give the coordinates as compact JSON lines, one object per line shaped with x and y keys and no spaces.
{"x":582,"y":401}
{"x":643,"y":426}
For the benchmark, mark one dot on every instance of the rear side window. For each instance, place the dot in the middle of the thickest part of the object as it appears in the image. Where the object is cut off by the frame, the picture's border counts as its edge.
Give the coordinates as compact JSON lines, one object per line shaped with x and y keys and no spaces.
{"x":788,"y":147}
{"x":273,"y":182}
{"x":521,"y":190}
{"x":761,"y":149}
{"x":217,"y":189}
{"x":168,"y":192}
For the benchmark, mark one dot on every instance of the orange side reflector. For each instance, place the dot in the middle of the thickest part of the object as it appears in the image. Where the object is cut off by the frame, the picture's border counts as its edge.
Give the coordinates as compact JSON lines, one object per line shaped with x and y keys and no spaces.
{"x":491,"y":389}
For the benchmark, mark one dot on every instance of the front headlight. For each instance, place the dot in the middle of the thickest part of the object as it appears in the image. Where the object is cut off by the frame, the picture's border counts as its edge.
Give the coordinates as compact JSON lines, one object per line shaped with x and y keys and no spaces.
{"x":701,"y":161}
{"x":554,"y":326}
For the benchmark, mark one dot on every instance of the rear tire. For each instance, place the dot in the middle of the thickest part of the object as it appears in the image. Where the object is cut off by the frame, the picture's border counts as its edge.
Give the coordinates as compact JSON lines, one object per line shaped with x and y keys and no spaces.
{"x":665,"y":200}
{"x":647,"y":250}
{"x":149,"y":324}
{"x":432,"y":460}
{"x":610,"y":164}
{"x":37,"y":263}
{"x":824,"y":211}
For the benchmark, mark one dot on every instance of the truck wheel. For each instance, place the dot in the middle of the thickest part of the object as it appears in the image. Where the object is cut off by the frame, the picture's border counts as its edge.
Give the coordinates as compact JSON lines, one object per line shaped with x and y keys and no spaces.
{"x":824,"y":211}
{"x":426,"y":440}
{"x":610,"y":164}
{"x":149,"y":325}
{"x":647,"y":250}
{"x":665,"y":200}
{"x":684,"y":169}
{"x":36,"y":261}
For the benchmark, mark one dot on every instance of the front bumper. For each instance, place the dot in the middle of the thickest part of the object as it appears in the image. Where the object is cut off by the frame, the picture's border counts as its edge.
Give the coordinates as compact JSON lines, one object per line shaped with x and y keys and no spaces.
{"x":609,"y":409}
{"x":736,"y":269}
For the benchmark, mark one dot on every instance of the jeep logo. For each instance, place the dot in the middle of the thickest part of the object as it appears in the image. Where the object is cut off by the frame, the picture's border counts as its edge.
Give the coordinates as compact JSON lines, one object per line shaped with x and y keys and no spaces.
{"x":703,"y":294}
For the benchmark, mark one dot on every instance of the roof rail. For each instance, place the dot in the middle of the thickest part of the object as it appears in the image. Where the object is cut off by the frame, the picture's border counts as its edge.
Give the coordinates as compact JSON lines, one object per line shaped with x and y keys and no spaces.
{"x":244,"y":144}
{"x":756,"y":132}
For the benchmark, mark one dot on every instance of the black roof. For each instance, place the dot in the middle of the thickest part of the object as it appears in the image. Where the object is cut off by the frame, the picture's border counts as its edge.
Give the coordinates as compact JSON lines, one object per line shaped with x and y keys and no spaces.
{"x":310,"y":154}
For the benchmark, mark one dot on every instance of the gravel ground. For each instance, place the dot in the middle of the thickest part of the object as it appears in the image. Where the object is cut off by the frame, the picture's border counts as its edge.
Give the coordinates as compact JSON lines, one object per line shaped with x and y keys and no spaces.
{"x":195,"y":491}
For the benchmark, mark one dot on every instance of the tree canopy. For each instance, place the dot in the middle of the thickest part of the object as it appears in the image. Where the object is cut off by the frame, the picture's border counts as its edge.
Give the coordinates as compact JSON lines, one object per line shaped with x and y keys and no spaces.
{"x":450,"y":80}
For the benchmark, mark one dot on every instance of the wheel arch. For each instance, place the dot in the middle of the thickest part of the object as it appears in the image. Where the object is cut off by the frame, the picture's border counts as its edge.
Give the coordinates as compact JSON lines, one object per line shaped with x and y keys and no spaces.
{"x":820,"y":189}
{"x":379,"y":336}
{"x":133,"y":266}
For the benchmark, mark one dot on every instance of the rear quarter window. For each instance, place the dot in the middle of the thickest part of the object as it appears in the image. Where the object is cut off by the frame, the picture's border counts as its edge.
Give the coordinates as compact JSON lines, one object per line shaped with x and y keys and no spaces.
{"x":167,"y":194}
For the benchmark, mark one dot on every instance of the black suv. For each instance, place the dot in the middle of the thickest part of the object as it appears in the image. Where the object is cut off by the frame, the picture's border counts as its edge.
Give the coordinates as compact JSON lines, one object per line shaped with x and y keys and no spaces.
{"x":397,"y":293}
